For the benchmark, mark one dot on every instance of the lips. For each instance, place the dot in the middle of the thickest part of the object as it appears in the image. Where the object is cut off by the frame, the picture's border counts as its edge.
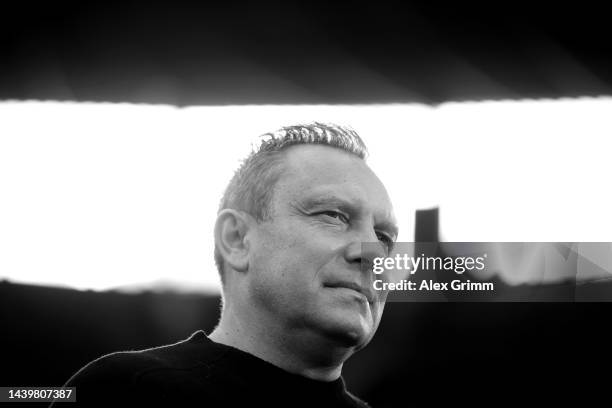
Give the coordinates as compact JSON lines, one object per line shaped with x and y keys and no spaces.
{"x":354,"y":286}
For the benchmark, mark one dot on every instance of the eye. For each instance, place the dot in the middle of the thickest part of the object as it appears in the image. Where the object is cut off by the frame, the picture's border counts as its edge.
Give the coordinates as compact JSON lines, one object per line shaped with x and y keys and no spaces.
{"x":384,"y":238}
{"x":336,"y":215}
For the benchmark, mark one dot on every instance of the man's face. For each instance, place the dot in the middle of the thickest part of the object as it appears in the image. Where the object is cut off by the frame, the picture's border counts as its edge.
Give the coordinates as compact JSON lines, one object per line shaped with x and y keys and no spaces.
{"x":305,"y":267}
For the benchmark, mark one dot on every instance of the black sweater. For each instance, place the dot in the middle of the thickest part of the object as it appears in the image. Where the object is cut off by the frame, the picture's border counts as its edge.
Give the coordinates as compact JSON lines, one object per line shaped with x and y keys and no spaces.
{"x":200,"y":372}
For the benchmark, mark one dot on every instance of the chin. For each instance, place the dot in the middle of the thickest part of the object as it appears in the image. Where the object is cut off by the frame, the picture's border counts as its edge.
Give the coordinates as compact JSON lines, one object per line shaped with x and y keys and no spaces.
{"x":349,"y":331}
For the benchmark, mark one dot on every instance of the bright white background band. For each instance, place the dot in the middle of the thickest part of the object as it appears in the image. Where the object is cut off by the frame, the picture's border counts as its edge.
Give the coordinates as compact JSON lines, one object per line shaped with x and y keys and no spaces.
{"x":117,"y":195}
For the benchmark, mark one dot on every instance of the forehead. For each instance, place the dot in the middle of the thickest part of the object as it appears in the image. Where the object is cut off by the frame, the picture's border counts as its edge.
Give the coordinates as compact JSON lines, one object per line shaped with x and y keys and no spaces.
{"x":315,"y":173}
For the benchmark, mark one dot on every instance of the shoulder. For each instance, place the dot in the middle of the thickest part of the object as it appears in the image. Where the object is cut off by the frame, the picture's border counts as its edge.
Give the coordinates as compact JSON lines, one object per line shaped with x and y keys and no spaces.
{"x":143,"y":375}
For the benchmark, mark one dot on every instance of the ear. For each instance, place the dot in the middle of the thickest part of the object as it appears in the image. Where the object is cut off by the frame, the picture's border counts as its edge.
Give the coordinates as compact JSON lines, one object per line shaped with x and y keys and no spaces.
{"x":231,"y":229}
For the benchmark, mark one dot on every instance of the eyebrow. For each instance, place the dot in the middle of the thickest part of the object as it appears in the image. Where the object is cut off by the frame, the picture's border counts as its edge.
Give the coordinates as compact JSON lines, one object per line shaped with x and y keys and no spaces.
{"x":348,"y":206}
{"x":327,"y":200}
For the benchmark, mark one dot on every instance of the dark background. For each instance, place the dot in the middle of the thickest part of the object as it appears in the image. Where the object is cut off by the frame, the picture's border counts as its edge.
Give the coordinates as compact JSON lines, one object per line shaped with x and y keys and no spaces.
{"x":425,"y":354}
{"x":186,"y":53}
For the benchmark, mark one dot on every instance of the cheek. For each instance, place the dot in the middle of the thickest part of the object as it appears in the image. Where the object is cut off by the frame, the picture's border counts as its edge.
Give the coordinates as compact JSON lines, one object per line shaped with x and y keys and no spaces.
{"x":291,"y":261}
{"x":281,"y":263}
{"x":291,"y":246}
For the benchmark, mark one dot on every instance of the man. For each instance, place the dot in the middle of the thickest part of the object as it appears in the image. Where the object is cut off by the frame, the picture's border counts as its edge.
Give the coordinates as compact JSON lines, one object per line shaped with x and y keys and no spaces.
{"x":296,"y":301}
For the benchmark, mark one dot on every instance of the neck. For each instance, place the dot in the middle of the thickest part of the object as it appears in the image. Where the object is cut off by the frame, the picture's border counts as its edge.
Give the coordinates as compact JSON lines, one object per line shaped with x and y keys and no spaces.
{"x":307,"y":354}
